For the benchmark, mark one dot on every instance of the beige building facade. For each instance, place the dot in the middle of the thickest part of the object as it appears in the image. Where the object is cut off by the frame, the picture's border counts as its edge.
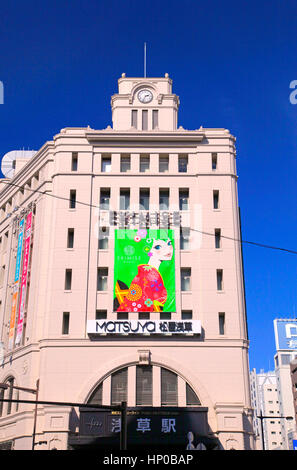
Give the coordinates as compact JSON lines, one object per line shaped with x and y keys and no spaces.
{"x":77,"y":191}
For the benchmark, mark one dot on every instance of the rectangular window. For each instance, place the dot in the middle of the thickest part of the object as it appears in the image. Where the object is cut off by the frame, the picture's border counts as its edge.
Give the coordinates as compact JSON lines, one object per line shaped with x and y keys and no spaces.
{"x":72,"y":199}
{"x":144,"y":199}
{"x":285,"y":359}
{"x":164,"y":199}
{"x":65,"y":324}
{"x":2,"y":272}
{"x":214,"y":161}
{"x":124,"y":199}
{"x":187,"y":314}
{"x":70,"y":238}
{"x":155,"y":119}
{"x":101,"y":314}
{"x":104,"y":199}
{"x":163,"y":163}
{"x":184,"y":238}
{"x":74,"y":161}
{"x":165,"y":316}
{"x":183,"y":199}
{"x":103,"y":238}
{"x":144,"y":120}
{"x":144,"y":385}
{"x":68,"y":279}
{"x":185,"y":277}
{"x":134,"y":118}
{"x":106,"y":164}
{"x":183,"y":163}
{"x":222,"y":323}
{"x":168,"y":388}
{"x":10,"y":383}
{"x":125,"y":163}
{"x":217,"y":237}
{"x":219,"y":279}
{"x":122,"y":316}
{"x":102,"y":279}
{"x":119,"y":383}
{"x":216,"y":199}
{"x":143,"y":315}
{"x":144,"y":163}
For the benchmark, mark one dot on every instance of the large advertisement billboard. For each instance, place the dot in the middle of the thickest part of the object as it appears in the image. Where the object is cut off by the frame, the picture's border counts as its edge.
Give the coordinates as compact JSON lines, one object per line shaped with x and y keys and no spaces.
{"x":144,"y":271}
{"x":285,"y":331}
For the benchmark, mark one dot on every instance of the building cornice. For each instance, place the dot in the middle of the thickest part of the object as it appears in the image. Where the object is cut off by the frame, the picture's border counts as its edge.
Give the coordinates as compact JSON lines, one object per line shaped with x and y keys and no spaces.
{"x":145,"y":175}
{"x":33,"y":164}
{"x":160,"y":139}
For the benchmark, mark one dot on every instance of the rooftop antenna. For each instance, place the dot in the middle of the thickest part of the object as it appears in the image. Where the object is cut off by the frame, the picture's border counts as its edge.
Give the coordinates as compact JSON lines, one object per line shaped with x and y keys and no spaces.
{"x":145,"y":60}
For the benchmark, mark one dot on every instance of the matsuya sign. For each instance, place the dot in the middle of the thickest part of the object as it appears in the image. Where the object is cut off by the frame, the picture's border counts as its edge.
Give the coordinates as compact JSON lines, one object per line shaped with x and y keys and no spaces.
{"x":143,"y":327}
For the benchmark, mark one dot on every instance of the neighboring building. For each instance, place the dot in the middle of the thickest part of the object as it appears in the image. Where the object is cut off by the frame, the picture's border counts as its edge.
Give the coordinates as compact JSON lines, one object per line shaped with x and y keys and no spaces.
{"x":121,"y":280}
{"x":293,"y":367}
{"x":265,"y":400}
{"x":286,"y":351}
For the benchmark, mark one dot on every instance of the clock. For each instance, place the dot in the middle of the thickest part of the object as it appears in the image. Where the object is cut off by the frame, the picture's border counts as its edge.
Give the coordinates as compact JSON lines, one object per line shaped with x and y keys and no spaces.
{"x":145,"y":96}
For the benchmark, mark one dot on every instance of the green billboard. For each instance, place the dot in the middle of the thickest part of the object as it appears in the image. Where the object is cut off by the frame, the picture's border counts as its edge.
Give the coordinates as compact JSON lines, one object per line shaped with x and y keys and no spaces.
{"x":144,"y":270}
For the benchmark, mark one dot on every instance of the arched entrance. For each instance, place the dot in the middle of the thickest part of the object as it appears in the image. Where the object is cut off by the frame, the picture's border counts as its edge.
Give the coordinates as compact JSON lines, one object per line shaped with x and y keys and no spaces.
{"x":162,"y":409}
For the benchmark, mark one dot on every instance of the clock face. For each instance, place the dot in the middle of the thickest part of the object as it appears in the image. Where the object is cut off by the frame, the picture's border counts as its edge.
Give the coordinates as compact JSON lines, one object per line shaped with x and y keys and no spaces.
{"x":145,"y":96}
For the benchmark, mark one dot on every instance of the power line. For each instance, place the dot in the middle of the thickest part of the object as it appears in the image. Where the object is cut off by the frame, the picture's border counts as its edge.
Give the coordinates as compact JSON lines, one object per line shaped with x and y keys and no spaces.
{"x":261,"y":245}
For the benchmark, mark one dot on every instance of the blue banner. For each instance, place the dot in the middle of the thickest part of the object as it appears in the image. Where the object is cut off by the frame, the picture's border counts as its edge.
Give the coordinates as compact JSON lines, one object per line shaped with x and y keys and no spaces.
{"x":19,"y":251}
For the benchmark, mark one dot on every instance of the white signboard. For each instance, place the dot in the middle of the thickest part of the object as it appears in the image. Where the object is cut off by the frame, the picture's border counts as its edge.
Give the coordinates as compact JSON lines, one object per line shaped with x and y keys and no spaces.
{"x":143,"y":327}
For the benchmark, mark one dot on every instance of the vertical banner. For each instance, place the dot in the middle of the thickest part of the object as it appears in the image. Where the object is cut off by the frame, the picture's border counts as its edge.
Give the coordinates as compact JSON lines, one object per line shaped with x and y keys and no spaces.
{"x":24,"y":278}
{"x":16,"y":283}
{"x":144,"y":271}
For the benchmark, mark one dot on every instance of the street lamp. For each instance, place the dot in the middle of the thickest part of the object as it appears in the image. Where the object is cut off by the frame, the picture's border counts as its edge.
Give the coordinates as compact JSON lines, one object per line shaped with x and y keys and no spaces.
{"x":5,"y":386}
{"x":261,"y":417}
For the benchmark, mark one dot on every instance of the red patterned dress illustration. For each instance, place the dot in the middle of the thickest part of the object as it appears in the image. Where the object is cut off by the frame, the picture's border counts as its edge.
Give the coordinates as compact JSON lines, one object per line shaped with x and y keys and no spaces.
{"x":147,"y":292}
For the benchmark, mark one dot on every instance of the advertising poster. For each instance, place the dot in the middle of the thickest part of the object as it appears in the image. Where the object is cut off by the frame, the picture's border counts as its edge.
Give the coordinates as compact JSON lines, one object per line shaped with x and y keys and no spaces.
{"x":23,"y":286}
{"x":144,"y":271}
{"x":16,"y":283}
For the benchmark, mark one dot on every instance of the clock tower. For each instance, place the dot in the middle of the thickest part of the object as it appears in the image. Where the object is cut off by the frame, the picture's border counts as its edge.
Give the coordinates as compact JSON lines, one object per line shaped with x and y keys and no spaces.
{"x":144,"y":104}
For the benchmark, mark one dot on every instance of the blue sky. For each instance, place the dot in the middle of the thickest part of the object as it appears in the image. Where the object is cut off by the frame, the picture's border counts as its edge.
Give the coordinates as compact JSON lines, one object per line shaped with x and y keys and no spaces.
{"x":231,"y":63}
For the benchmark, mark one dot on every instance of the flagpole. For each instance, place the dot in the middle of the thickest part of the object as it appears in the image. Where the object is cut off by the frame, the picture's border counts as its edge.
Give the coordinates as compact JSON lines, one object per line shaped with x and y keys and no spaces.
{"x":145,"y":59}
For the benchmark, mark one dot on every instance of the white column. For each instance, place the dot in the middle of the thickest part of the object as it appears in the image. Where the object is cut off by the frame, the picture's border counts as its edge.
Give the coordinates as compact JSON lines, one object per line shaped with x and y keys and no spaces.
{"x":156,"y":386}
{"x":131,"y":399}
